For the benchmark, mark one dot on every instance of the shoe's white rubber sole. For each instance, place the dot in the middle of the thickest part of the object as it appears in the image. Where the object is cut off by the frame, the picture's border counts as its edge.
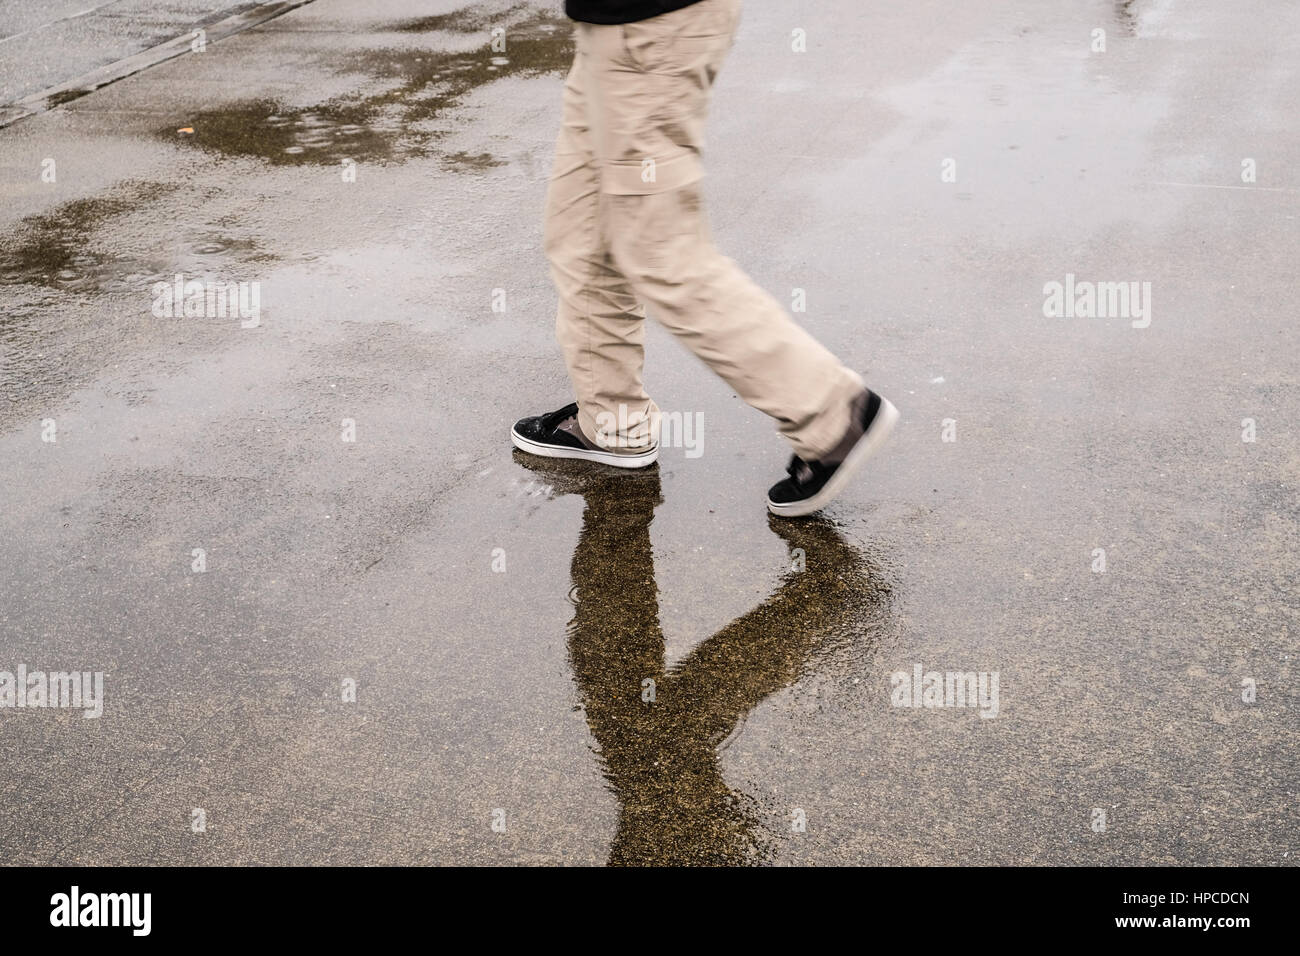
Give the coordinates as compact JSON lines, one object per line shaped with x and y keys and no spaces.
{"x":638,"y":460}
{"x":867,"y":446}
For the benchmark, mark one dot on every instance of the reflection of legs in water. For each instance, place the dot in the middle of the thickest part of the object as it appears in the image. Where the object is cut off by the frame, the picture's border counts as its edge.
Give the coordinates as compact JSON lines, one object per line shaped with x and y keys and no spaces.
{"x":661,"y":758}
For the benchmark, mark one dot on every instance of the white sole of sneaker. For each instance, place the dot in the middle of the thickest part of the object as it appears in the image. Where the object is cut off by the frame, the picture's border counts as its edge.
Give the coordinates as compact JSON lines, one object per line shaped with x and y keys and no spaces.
{"x":867,"y":446}
{"x":639,"y":460}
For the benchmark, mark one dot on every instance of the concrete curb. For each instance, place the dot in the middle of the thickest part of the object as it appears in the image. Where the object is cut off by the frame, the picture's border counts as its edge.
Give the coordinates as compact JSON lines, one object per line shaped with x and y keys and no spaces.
{"x":54,"y":96}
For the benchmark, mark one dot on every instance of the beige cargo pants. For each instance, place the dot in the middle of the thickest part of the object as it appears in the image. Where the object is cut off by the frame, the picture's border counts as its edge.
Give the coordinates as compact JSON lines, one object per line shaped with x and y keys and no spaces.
{"x":625,"y":228}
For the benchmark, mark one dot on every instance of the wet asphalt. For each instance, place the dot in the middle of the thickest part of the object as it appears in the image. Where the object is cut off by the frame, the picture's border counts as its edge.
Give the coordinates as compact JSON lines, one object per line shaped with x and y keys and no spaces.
{"x":44,"y":44}
{"x":564,"y":665}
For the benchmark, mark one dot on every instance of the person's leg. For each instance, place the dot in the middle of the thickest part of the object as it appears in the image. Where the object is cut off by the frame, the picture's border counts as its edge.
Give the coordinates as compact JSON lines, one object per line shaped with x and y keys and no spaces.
{"x":599,"y":322}
{"x":648,"y":85}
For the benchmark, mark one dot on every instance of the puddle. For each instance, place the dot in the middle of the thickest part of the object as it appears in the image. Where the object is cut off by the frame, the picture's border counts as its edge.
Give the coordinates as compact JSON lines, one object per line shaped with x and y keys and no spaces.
{"x":464,"y":160}
{"x":51,"y":249}
{"x":70,"y":250}
{"x":458,"y":21}
{"x":394,"y":123}
{"x":66,"y":96}
{"x":660,"y":749}
{"x":1128,"y":20}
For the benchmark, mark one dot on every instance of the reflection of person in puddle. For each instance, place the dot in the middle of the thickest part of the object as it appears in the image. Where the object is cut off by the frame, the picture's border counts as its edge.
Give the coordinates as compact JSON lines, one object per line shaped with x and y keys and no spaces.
{"x":660,"y":755}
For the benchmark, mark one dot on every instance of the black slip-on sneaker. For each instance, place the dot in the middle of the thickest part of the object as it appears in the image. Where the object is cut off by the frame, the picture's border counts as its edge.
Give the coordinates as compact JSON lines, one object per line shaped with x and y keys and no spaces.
{"x":812,"y":485}
{"x":557,"y":435}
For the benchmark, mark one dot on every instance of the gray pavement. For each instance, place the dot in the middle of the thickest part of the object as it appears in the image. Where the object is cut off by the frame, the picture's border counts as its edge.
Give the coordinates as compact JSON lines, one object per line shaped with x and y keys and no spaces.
{"x":499,"y":619}
{"x":48,"y":43}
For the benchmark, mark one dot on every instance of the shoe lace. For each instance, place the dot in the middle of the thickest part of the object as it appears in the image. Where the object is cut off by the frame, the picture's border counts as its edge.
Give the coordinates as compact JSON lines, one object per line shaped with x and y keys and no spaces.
{"x":551,"y":419}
